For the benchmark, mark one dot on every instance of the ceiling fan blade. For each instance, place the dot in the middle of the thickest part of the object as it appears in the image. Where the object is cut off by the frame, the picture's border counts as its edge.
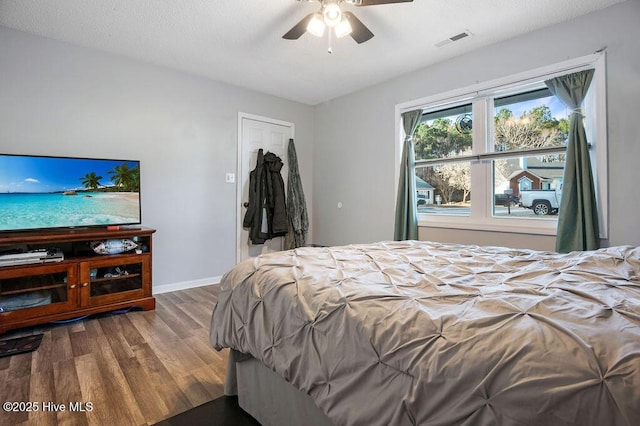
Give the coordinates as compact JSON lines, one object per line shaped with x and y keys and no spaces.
{"x":360,"y":33}
{"x":375,"y":2}
{"x":299,"y":28}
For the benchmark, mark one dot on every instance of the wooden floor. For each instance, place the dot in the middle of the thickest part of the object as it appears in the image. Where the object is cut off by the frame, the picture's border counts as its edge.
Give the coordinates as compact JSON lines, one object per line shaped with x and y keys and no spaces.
{"x":135,"y":369}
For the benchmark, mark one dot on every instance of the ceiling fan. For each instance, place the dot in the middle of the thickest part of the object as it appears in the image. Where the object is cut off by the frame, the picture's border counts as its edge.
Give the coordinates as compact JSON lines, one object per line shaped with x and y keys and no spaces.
{"x":341,"y":23}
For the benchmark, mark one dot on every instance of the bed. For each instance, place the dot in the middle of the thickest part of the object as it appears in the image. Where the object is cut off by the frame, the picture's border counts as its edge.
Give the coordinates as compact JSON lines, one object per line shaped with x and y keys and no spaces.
{"x":414,"y":332}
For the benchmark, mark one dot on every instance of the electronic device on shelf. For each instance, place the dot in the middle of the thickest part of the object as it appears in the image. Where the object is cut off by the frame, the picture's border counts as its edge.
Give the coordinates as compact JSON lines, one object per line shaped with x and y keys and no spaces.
{"x":32,"y":257}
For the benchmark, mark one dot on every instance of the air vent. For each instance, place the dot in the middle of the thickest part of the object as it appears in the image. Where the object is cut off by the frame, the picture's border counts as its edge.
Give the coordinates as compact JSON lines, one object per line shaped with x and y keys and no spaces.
{"x":460,"y":36}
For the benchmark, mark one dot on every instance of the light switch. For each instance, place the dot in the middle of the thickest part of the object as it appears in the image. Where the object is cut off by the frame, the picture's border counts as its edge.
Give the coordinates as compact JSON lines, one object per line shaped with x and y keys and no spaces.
{"x":230,"y":178}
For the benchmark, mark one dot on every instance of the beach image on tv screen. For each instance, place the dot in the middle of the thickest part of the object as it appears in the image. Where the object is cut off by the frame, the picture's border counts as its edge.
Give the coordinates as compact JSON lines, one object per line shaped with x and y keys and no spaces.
{"x":53,"y":192}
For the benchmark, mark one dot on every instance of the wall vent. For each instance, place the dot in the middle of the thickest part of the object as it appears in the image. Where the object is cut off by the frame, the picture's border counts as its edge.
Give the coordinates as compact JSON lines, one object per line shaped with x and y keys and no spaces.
{"x":459,"y":36}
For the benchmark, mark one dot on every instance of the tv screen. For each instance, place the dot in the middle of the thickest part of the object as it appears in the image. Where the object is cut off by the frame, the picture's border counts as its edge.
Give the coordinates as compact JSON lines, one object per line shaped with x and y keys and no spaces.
{"x":38,"y":192}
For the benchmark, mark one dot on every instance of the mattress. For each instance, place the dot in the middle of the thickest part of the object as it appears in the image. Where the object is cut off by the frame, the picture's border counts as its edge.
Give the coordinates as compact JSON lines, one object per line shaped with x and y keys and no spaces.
{"x":405,"y":333}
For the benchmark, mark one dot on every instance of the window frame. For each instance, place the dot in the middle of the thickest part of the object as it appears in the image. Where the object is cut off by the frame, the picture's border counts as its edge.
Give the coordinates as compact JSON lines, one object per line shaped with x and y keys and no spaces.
{"x":481,"y":216}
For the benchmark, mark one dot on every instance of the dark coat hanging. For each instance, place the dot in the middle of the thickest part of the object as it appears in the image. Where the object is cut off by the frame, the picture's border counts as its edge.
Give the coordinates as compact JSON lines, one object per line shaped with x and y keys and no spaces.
{"x":266,"y":215}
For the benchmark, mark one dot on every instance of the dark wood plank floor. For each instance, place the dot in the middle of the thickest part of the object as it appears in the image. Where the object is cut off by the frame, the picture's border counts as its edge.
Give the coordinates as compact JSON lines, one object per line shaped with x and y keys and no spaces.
{"x":135,"y":369}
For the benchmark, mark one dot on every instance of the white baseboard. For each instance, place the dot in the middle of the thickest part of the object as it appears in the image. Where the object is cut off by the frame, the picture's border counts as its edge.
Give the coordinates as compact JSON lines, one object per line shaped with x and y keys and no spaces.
{"x":166,"y":288}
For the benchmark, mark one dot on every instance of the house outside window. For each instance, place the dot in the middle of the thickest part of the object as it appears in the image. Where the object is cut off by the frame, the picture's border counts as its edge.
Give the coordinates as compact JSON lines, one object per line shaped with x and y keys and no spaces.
{"x":424,"y":192}
{"x":480,"y":150}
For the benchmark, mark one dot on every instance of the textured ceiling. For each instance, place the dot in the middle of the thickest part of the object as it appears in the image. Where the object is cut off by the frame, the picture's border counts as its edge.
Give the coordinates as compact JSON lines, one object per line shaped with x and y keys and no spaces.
{"x":240,"y":41}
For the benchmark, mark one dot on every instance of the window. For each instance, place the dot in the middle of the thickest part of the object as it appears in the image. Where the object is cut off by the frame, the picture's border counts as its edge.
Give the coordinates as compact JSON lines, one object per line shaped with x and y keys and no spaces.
{"x":524,"y":121}
{"x":480,"y":151}
{"x":445,"y":137}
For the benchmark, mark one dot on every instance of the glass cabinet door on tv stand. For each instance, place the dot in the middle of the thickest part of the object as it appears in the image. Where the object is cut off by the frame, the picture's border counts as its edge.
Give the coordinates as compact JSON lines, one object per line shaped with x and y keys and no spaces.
{"x":39,"y":290}
{"x":115,"y":278}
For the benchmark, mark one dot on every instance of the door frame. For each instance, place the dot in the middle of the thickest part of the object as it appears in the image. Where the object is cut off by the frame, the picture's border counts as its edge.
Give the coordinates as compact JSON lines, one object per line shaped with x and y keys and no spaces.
{"x":239,"y":207}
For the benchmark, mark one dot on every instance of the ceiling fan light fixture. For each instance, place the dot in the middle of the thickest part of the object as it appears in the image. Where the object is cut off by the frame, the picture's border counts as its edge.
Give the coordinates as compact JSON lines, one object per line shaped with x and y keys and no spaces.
{"x":343,"y":28}
{"x":340,"y":23}
{"x":332,"y":14}
{"x":316,"y":25}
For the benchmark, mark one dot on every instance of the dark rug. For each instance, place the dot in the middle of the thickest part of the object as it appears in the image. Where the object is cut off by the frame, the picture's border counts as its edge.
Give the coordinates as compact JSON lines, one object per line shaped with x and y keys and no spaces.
{"x":20,"y":345}
{"x":223,"y":411}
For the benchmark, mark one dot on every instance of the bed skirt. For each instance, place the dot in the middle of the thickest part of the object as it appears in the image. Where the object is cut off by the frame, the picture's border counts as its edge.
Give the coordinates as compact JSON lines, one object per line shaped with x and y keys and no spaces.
{"x":267,"y":397}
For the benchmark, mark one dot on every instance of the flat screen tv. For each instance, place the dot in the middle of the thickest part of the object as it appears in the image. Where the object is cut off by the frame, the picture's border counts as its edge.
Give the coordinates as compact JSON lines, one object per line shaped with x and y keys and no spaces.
{"x":38,"y":192}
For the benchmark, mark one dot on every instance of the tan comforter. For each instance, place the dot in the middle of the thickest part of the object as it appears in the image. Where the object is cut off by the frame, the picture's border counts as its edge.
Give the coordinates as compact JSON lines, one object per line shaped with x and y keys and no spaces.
{"x":402,"y":333}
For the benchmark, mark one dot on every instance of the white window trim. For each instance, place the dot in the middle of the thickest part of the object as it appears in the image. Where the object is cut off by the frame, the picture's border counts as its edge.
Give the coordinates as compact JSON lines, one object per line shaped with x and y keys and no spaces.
{"x":481,"y":217}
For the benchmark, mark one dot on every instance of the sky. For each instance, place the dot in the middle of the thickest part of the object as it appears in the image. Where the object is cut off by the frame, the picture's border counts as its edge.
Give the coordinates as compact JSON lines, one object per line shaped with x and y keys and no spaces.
{"x":558,"y":109}
{"x":50,"y":174}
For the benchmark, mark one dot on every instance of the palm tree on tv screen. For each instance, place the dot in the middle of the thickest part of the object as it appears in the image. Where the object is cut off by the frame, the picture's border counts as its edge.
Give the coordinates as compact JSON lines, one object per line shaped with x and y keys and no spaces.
{"x":91,"y":180}
{"x":125,"y":178}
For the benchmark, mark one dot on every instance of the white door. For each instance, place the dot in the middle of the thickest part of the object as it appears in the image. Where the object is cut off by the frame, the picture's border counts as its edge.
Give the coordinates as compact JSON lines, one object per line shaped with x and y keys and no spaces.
{"x":272,"y":136}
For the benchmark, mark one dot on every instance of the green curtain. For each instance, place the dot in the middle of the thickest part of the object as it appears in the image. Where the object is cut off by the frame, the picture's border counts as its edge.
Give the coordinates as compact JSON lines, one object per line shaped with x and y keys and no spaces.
{"x":578,"y":214}
{"x":406,"y":222}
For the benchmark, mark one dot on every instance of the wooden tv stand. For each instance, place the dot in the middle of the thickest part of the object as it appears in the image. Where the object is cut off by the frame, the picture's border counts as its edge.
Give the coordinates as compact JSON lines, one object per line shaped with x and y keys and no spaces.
{"x":83,"y":283}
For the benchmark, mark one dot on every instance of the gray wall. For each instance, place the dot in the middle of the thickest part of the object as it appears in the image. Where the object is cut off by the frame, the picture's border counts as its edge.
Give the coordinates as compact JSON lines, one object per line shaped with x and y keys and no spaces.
{"x":58,"y":99}
{"x":355,"y":134}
